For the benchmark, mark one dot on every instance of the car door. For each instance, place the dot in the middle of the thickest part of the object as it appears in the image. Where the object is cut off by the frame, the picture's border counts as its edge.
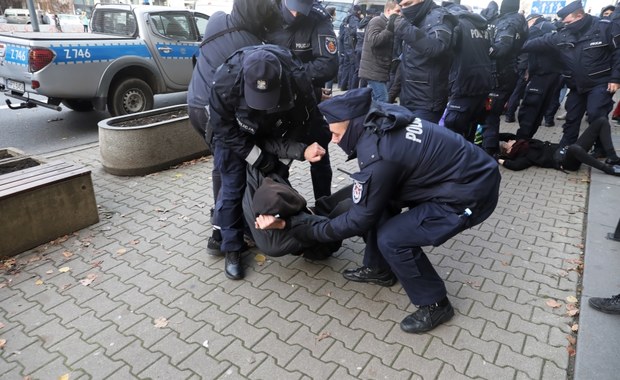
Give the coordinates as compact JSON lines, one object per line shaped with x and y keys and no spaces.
{"x":173,"y":40}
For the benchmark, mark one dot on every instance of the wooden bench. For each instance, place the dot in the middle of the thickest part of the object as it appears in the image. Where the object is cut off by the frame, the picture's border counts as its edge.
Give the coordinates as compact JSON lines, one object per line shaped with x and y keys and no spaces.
{"x":43,"y":202}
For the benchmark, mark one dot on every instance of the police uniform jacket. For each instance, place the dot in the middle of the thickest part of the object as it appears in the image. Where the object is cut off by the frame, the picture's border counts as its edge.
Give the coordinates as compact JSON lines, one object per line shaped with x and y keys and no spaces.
{"x":313,"y":41}
{"x":247,"y":131}
{"x":361,"y":32}
{"x":543,"y":62}
{"x":426,"y":60}
{"x":471,"y":71}
{"x":589,"y":54}
{"x":245,"y":23}
{"x":410,"y":161}
{"x":377,"y":51}
{"x":510,"y":32}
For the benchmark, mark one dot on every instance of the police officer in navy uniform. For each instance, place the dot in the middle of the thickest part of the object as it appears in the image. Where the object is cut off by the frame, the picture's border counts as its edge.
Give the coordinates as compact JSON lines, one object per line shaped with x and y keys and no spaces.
{"x":510,"y":32}
{"x":470,"y":75}
{"x":447,"y":184}
{"x":591,"y":59}
{"x":426,"y":30}
{"x":543,"y":79}
{"x":306,"y":28}
{"x":262,"y":108}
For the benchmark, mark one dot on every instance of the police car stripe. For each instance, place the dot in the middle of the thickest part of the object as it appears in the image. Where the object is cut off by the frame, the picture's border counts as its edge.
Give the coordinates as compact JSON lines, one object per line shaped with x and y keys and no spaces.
{"x":178,"y":51}
{"x":67,"y":54}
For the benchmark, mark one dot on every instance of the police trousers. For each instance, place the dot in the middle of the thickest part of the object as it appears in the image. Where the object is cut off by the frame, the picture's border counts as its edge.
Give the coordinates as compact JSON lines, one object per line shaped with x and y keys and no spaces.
{"x":598,"y":102}
{"x":538,"y":95}
{"x":397,"y":244}
{"x":463,"y":114}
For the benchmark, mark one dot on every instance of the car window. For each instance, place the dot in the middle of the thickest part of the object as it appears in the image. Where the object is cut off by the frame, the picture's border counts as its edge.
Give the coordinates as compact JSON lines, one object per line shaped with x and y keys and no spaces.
{"x":114,"y":21}
{"x":201,"y":23}
{"x":176,"y":26}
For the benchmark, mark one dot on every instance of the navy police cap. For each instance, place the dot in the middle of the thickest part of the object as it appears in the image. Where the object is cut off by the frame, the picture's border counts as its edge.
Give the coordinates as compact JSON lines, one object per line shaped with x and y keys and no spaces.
{"x":570,"y":8}
{"x":352,"y":104}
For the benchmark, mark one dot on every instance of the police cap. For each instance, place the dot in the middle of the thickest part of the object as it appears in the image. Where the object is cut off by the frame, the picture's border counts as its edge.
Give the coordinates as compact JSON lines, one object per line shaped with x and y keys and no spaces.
{"x":302,"y":6}
{"x":532,"y":16}
{"x":262,"y":74}
{"x":570,"y":8}
{"x":352,"y":104}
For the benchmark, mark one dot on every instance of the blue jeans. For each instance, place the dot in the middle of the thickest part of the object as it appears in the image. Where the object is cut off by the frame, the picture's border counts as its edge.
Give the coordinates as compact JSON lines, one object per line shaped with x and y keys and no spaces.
{"x":379,"y":90}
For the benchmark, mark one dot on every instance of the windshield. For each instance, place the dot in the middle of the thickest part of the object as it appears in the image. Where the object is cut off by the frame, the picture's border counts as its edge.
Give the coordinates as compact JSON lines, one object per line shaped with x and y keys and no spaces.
{"x":114,"y":21}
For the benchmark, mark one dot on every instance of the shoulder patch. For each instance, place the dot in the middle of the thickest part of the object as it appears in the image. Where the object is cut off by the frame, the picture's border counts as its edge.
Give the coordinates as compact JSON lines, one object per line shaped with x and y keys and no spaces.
{"x":330,"y":45}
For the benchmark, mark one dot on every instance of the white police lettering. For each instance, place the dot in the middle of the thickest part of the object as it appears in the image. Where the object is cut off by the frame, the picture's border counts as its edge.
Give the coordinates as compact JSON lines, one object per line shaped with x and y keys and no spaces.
{"x":302,"y":45}
{"x":596,"y":43}
{"x":414,"y":130}
{"x":475,"y":33}
{"x":244,"y":126}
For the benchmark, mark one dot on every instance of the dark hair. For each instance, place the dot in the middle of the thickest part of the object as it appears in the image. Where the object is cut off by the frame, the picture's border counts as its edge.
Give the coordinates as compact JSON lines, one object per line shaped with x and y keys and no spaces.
{"x":519,"y":148}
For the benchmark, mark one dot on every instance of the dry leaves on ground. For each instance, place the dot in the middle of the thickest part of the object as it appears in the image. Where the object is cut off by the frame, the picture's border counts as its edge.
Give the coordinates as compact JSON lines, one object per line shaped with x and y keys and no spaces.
{"x":571,"y":299}
{"x":553,"y":303}
{"x":67,"y":254}
{"x":64,"y":269}
{"x":323,"y":335}
{"x":88,"y":279}
{"x":2,"y":343}
{"x":575,"y":327}
{"x":161,"y":322}
{"x":260,"y":259}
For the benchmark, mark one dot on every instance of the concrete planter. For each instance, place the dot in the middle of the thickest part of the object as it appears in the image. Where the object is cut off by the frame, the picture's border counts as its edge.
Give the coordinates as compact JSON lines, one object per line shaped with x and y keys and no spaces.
{"x":129,"y":147}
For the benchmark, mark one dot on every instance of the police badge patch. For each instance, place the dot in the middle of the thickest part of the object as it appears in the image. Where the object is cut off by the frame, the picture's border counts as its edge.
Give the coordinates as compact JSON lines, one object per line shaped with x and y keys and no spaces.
{"x":357,"y":192}
{"x":330,"y":45}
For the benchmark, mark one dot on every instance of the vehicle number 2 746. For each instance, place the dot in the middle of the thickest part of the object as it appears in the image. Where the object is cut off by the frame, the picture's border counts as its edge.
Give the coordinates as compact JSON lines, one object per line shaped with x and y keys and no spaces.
{"x":77,"y":53}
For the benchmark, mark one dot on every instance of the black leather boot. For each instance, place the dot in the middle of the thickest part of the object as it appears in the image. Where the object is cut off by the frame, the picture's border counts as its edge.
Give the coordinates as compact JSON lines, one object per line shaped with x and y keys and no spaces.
{"x":383,"y":277}
{"x":428,"y":317}
{"x":214,"y":243}
{"x":232,"y":266}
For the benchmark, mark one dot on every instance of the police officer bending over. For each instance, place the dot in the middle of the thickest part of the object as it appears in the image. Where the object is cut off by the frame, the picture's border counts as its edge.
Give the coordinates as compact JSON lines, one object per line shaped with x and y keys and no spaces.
{"x":447,"y":184}
{"x":261,"y":100}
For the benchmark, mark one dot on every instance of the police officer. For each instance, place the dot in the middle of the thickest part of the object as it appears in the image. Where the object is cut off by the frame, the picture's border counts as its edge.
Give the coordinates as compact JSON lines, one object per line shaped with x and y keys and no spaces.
{"x":544,"y":77}
{"x":397,"y":155}
{"x":244,"y":26}
{"x":470,"y":75}
{"x":262,"y":107}
{"x":510,"y":32}
{"x":306,"y":28}
{"x":591,"y":61}
{"x":360,"y":32}
{"x":426,"y":30}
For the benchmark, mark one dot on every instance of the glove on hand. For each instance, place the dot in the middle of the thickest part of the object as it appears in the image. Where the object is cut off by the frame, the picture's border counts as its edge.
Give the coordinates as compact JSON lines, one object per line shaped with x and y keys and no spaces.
{"x":266,"y":163}
{"x":391,"y":21}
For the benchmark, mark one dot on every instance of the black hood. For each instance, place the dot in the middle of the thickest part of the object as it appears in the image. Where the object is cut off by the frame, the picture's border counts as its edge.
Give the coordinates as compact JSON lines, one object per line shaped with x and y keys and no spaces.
{"x":477,"y":20}
{"x":491,"y":11}
{"x":254,"y":15}
{"x":509,"y":6}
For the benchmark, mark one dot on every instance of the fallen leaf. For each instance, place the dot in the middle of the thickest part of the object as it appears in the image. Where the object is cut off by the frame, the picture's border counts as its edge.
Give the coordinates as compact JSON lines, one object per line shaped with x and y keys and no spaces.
{"x":34,"y":259}
{"x":571,"y":350}
{"x":96,"y":264}
{"x":553,"y":303}
{"x":573,"y":312}
{"x":323,"y":335}
{"x":49,"y":272}
{"x":67,"y":254}
{"x":260,"y":259}
{"x":121,"y":251}
{"x":178,"y":175}
{"x":89,"y":279}
{"x":571,"y":339}
{"x":64,"y":377}
{"x":562,"y":273}
{"x":571,"y":306}
{"x":61,"y":239}
{"x":161,"y":322}
{"x":134,"y":242}
{"x":575,"y":327}
{"x":2,"y":343}
{"x":38,"y":282}
{"x":1,"y":325}
{"x":64,"y":269}
{"x":571,"y":299}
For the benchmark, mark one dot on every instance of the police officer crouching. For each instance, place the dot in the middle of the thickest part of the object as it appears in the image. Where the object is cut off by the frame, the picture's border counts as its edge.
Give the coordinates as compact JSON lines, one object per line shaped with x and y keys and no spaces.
{"x":446,"y":183}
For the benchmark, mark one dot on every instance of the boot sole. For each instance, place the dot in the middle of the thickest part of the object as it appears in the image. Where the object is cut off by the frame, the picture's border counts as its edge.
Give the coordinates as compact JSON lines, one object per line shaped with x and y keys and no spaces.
{"x":386,"y":283}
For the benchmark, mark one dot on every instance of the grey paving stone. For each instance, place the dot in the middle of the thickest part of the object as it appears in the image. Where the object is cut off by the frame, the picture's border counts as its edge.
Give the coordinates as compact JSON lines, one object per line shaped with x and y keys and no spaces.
{"x":407,"y":360}
{"x":111,"y":340}
{"x":315,"y":323}
{"x":487,"y":349}
{"x":190,"y":305}
{"x":146,"y":332}
{"x":174,"y":348}
{"x":51,"y":333}
{"x":74,"y":348}
{"x":457,"y":359}
{"x":54,"y":369}
{"x":364,"y":322}
{"x":479,"y":367}
{"x":137,"y":357}
{"x":246,"y":332}
{"x":162,"y":369}
{"x":268,"y":369}
{"x":101,"y":304}
{"x":376,"y":369}
{"x":312,"y":301}
{"x":273,"y":322}
{"x":532,"y":366}
{"x":305,"y":363}
{"x":354,"y":362}
{"x":220,"y":320}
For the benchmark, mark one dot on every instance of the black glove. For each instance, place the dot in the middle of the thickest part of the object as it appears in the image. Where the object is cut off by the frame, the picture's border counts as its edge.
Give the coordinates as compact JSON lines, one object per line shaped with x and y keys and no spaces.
{"x":391,"y":21}
{"x":266,"y":163}
{"x":303,"y":232}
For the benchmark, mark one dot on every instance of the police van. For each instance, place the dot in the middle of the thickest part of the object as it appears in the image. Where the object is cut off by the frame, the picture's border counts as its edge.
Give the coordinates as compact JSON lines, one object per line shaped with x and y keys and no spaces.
{"x":17,"y":16}
{"x":132,"y":53}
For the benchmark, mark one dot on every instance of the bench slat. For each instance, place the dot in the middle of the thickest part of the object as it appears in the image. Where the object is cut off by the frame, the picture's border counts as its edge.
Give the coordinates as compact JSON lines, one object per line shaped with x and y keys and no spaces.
{"x":32,"y":178}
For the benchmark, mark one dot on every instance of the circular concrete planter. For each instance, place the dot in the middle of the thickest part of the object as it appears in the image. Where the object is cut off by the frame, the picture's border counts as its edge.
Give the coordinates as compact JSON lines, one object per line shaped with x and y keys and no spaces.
{"x":139,"y":149}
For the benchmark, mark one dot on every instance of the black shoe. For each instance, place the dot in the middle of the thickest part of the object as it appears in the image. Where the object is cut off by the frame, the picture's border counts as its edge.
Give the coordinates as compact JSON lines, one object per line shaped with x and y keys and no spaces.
{"x":606,"y":305}
{"x":232,"y":266}
{"x":214,"y":244}
{"x":428,"y":317}
{"x":510,"y":119}
{"x":597,"y":154}
{"x":615,"y":170}
{"x":549,"y":123}
{"x":383,"y":277}
{"x":613,"y":161}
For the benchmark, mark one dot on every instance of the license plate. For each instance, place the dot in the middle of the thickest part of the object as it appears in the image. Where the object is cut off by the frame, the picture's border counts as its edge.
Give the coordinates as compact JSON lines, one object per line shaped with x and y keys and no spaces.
{"x":15,"y":86}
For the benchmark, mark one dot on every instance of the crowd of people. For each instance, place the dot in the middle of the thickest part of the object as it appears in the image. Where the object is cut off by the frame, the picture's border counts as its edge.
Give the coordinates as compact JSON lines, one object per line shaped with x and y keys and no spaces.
{"x":260,"y":95}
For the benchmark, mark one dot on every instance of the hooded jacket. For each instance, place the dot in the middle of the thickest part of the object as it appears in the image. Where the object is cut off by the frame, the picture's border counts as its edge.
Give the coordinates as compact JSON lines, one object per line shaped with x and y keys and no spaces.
{"x":246,"y":22}
{"x":509,"y":33}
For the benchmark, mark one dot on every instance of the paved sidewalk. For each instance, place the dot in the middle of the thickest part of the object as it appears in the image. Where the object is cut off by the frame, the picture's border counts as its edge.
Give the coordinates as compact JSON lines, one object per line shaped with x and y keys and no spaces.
{"x":159,"y":307}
